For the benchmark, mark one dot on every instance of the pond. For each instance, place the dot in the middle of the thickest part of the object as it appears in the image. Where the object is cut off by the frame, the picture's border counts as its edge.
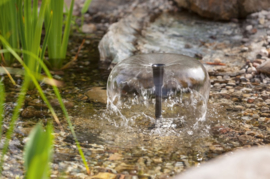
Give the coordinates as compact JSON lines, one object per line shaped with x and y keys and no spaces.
{"x":137,"y":151}
{"x":114,"y":150}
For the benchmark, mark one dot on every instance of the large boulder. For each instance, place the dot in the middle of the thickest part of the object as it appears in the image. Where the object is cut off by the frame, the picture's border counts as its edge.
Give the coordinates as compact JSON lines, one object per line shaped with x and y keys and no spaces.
{"x":107,"y":6}
{"x":224,"y":9}
{"x":244,"y":164}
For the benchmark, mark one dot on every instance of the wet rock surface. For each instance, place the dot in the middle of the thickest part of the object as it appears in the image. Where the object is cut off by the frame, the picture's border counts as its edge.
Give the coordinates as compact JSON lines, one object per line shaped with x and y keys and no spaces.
{"x":97,"y":94}
{"x":225,"y":43}
{"x":224,"y":9}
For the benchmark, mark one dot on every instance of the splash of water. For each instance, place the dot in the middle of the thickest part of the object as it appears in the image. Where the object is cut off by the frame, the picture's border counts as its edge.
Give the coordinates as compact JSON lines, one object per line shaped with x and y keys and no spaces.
{"x":185,"y":93}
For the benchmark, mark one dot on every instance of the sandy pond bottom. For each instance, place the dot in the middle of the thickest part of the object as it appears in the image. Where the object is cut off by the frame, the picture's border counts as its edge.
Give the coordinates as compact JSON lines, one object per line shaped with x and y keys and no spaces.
{"x":134,"y":150}
{"x":114,"y":150}
{"x":142,"y":152}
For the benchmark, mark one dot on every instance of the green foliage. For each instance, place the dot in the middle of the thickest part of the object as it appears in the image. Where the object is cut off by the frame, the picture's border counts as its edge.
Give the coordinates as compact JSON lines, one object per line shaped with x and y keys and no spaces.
{"x":86,"y":6}
{"x":27,"y":18}
{"x":58,"y":41}
{"x":30,"y":75}
{"x":2,"y":100}
{"x":8,"y":27}
{"x":38,"y":153}
{"x":2,"y":2}
{"x":31,"y":20}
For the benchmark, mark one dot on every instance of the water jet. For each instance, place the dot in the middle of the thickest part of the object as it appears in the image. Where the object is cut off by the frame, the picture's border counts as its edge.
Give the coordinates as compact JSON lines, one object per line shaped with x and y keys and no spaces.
{"x":169,"y":88}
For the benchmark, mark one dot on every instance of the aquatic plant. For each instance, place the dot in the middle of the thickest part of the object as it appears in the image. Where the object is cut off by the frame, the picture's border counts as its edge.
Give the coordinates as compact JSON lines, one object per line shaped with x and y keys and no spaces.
{"x":8,"y":28}
{"x":86,"y":6}
{"x":30,"y":20}
{"x":57,"y":40}
{"x":84,"y":10}
{"x":32,"y":76}
{"x":38,"y":153}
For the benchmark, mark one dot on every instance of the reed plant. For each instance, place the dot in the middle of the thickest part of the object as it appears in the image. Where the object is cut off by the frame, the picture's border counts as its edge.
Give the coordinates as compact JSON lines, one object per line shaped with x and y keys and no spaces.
{"x":38,"y":153}
{"x":30,"y":20}
{"x":86,"y":6}
{"x":8,"y":28}
{"x":58,"y":40}
{"x":31,"y":76}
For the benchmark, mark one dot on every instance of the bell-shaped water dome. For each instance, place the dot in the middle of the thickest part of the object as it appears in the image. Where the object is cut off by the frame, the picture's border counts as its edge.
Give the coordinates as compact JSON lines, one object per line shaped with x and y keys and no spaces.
{"x":184,"y":92}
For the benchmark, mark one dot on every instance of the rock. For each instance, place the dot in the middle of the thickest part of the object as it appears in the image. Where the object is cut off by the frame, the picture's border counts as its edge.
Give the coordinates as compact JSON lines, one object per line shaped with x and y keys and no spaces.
{"x":265,"y":114}
{"x":251,"y":69}
{"x":124,"y":167}
{"x":89,"y":28}
{"x":264,"y":52}
{"x":264,"y":67}
{"x":248,"y":76}
{"x":37,"y":103}
{"x":246,"y":118}
{"x":24,"y":131}
{"x":30,"y":112}
{"x":244,"y":164}
{"x":97,"y":94}
{"x":250,"y":100}
{"x":224,"y":9}
{"x":249,"y":28}
{"x":115,"y":156}
{"x":106,"y":6}
{"x":68,"y":104}
{"x":103,"y":176}
{"x":143,"y":32}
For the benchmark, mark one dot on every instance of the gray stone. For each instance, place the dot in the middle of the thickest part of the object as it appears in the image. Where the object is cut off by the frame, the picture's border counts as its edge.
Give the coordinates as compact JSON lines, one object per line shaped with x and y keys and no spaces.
{"x":89,"y":28}
{"x":245,"y":164}
{"x":97,"y":94}
{"x":246,"y":118}
{"x":249,"y":28}
{"x":264,"y":67}
{"x":251,"y":69}
{"x":107,"y":6}
{"x":248,"y":76}
{"x":224,"y":9}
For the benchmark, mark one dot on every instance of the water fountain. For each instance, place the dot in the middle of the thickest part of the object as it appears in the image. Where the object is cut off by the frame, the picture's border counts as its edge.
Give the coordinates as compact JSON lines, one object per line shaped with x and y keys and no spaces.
{"x":159,"y":91}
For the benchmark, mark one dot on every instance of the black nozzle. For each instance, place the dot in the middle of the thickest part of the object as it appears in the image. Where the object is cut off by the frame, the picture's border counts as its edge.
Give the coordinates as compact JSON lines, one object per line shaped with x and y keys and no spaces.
{"x":158,"y":72}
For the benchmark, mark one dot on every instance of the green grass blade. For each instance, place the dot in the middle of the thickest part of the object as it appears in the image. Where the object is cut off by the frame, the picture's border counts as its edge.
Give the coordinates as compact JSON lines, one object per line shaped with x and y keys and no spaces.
{"x":34,"y":65}
{"x":71,"y":127}
{"x":21,"y":26}
{"x":48,"y":32}
{"x":8,"y":27}
{"x":2,"y":101}
{"x":57,"y":93}
{"x":14,"y":41}
{"x":67,"y":32}
{"x":86,"y":6}
{"x":2,"y":2}
{"x":28,"y":28}
{"x":35,"y":12}
{"x":55,"y":39}
{"x":31,"y":74}
{"x":38,"y":153}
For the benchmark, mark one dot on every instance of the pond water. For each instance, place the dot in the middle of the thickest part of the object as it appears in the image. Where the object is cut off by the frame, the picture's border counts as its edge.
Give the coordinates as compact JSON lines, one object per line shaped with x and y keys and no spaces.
{"x":148,"y":152}
{"x":133,"y":149}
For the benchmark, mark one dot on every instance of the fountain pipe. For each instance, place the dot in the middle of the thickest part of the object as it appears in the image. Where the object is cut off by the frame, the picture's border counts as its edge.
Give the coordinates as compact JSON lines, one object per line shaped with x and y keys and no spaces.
{"x":158,"y":72}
